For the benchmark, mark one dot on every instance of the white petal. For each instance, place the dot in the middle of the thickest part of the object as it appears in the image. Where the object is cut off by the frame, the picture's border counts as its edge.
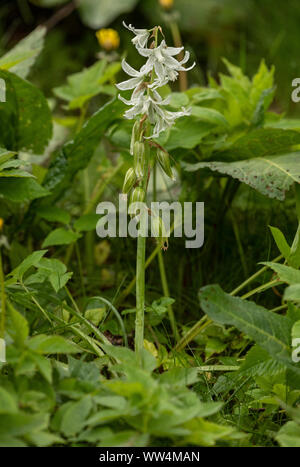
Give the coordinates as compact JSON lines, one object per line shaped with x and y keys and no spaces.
{"x":129,"y":84}
{"x":129,"y":70}
{"x":174,"y":50}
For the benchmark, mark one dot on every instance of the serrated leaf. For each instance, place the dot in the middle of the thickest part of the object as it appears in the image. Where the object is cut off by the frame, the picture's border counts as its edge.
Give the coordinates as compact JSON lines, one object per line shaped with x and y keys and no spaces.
{"x":270,"y":331}
{"x":272,"y":176}
{"x":20,"y":59}
{"x":76,"y":154}
{"x":24,"y":115}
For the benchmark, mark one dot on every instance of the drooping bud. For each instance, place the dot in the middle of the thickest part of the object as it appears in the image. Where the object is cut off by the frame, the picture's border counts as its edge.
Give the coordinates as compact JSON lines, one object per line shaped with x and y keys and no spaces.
{"x":129,"y":180}
{"x":134,"y":135}
{"x":158,"y":230}
{"x":164,"y":161}
{"x":139,"y":161}
{"x":137,"y":195}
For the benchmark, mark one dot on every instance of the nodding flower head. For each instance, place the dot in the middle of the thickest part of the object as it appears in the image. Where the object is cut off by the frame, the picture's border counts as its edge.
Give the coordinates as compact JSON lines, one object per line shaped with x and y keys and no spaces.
{"x":108,"y":39}
{"x":160,"y":68}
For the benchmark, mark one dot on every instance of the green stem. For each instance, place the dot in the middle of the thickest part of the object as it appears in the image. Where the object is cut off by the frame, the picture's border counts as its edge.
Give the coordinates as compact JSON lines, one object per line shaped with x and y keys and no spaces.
{"x":183,"y":82}
{"x":140,"y":296}
{"x":3,"y":298}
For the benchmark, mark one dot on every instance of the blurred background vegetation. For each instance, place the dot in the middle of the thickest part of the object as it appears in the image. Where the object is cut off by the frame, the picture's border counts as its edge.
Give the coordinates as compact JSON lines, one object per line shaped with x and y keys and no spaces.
{"x":242,"y":31}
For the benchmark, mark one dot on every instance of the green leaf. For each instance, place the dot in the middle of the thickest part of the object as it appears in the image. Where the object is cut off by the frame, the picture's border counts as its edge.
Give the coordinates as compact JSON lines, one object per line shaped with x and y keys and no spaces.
{"x":260,"y":143}
{"x":186,"y":133}
{"x":43,"y":344}
{"x":60,"y":237}
{"x":281,"y":242}
{"x":74,"y":417}
{"x":83,"y":86}
{"x":7,"y":402}
{"x":20,"y":59}
{"x":32,"y":260}
{"x":21,"y":190}
{"x":24,"y":115}
{"x":18,"y":327}
{"x":289,"y":435}
{"x":18,"y":424}
{"x":75,"y":155}
{"x":285,"y":273}
{"x":99,"y":13}
{"x":209,"y":115}
{"x":270,"y":331}
{"x":272,"y":176}
{"x":292,"y":293}
{"x":86,"y":223}
{"x":53,"y":214}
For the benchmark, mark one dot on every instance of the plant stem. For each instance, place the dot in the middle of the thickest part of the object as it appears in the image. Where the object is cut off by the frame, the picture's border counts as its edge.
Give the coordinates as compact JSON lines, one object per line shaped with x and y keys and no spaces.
{"x":183,"y":82}
{"x":3,"y":298}
{"x":140,"y":296}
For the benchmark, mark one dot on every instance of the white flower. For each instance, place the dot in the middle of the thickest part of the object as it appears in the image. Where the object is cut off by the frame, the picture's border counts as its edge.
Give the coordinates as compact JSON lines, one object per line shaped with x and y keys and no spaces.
{"x":136,"y":81}
{"x":142,"y":35}
{"x":165,"y":65}
{"x":145,"y":100}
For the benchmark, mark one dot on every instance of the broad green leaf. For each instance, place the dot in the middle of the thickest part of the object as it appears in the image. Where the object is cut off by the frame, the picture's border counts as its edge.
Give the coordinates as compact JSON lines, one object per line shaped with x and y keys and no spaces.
{"x":44,"y":365}
{"x":99,"y":13}
{"x":209,"y":115}
{"x":292,"y":293}
{"x":53,"y":214}
{"x":24,"y":115}
{"x":186,"y":133}
{"x":260,"y":143}
{"x":272,"y":176}
{"x":7,"y":402}
{"x":270,"y":331}
{"x":74,"y":417}
{"x":32,"y":260}
{"x":83,"y":86}
{"x":60,"y":237}
{"x":289,"y":435}
{"x":75,"y":155}
{"x":285,"y":273}
{"x":21,"y":190}
{"x":86,"y":222}
{"x":18,"y":327}
{"x":43,"y":344}
{"x":281,"y":242}
{"x":18,"y":424}
{"x":20,"y":59}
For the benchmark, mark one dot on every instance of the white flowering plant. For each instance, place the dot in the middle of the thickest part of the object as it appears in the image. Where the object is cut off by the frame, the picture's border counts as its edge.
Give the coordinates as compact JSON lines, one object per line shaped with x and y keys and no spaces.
{"x":148,"y":109}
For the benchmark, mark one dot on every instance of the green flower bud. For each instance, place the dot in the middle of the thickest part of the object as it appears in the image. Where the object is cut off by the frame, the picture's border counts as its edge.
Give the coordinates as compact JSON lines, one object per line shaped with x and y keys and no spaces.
{"x":134,"y":136}
{"x":137,"y":195}
{"x":139,"y":161}
{"x":164,"y":161}
{"x":159,"y":231}
{"x":129,"y":180}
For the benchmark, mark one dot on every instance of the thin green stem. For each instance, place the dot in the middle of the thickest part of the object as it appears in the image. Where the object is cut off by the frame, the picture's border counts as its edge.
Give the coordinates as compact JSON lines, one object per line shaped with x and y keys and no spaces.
{"x":3,"y":298}
{"x":140,"y":296}
{"x":183,"y":82}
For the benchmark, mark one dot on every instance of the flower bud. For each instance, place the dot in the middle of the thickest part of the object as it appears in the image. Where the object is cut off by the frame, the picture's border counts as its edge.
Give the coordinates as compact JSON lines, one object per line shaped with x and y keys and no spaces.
{"x":158,"y":230}
{"x":139,"y":161}
{"x":137,"y":195}
{"x":134,"y":136}
{"x":129,"y":180}
{"x":164,"y":161}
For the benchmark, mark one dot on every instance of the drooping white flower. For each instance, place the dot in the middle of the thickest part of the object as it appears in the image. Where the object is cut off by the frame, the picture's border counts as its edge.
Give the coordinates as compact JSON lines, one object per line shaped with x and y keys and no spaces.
{"x":141,"y":35}
{"x":160,"y":68}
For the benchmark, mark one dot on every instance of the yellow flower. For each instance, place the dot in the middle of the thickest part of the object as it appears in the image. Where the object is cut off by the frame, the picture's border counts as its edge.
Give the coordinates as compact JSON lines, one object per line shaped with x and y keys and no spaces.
{"x":108,"y":39}
{"x":1,"y":223}
{"x":166,"y":4}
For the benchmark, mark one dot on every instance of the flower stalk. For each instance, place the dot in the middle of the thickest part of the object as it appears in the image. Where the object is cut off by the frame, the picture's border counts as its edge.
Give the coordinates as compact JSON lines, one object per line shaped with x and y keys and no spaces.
{"x":151,"y":115}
